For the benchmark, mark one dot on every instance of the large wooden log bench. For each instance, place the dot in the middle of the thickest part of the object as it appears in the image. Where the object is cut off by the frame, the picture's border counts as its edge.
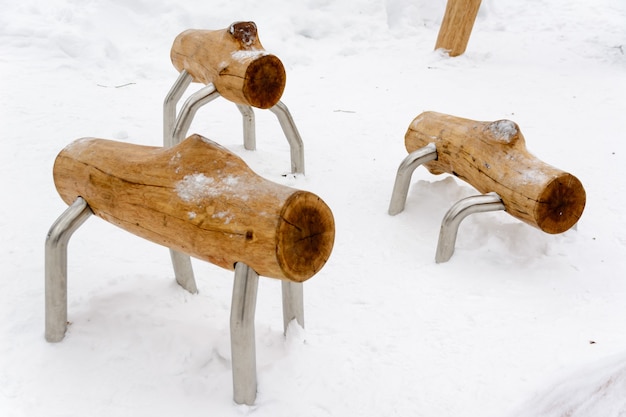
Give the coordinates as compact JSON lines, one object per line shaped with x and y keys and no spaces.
{"x":199,"y":199}
{"x":492,"y":157}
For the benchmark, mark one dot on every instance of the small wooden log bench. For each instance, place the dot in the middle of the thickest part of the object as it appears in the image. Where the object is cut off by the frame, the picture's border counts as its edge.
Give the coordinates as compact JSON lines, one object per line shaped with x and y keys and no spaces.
{"x":201,"y":200}
{"x":232,"y":63}
{"x":492,"y":157}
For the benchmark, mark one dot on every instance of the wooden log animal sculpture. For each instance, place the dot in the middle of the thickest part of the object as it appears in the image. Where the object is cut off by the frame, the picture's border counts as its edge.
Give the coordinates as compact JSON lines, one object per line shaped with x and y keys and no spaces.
{"x":492,"y":157}
{"x":457,"y":25}
{"x":234,"y":61}
{"x":202,"y":200}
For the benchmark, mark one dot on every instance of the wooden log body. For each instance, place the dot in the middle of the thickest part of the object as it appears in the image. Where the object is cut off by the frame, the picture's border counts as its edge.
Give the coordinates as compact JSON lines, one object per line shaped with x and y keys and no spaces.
{"x":234,"y":60}
{"x":200,"y":199}
{"x":457,"y":25}
{"x":492,"y":157}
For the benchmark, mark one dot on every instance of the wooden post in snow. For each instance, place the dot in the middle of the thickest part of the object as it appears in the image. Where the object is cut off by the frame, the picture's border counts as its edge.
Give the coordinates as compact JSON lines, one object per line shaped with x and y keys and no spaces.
{"x":456,"y":26}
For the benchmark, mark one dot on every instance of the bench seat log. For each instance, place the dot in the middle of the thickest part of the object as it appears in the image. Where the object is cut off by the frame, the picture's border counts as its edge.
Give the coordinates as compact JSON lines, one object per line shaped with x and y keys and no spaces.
{"x":492,"y":157}
{"x":234,"y":61}
{"x":202,"y":200}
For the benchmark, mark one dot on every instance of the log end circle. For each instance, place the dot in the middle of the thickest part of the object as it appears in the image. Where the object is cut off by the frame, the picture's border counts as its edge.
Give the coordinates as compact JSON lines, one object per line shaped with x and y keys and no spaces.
{"x":560,"y":204}
{"x":305,"y":236}
{"x":264,"y":81}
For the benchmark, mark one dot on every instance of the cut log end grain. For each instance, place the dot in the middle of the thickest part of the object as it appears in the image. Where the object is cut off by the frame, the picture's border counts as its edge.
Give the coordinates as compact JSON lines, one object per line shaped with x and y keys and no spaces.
{"x":306,"y":234}
{"x":560,"y":204}
{"x":264,"y":82}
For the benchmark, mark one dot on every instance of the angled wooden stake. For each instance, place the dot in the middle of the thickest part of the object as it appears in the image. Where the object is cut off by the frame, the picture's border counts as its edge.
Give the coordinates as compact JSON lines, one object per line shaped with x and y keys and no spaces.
{"x":456,"y":26}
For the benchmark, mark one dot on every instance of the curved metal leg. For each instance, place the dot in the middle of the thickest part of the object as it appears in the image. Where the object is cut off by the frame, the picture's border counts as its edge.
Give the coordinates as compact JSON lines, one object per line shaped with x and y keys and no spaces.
{"x":249,"y":132}
{"x":242,"y":337}
{"x":189,"y":109}
{"x":293,"y":136}
{"x":183,"y":271}
{"x":56,"y":267}
{"x":181,"y":262}
{"x":293,"y":303}
{"x":169,"y":106}
{"x":405,"y":171}
{"x":453,"y":218}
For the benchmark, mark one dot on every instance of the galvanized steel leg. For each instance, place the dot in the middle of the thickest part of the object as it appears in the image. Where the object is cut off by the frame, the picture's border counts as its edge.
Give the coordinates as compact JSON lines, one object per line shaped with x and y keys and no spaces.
{"x":242,"y":337}
{"x":293,"y":303}
{"x":56,"y":267}
{"x":293,"y":136}
{"x":190,"y":107}
{"x":183,"y":271}
{"x":405,"y":171}
{"x":249,"y":132}
{"x":169,"y":106}
{"x":453,"y":218}
{"x":174,"y":129}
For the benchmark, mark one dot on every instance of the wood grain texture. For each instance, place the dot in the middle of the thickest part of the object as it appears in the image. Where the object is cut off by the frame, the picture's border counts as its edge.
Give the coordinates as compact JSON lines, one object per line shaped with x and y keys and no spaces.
{"x":234,"y":61}
{"x":457,"y":25}
{"x":492,"y":157}
{"x":202,"y":200}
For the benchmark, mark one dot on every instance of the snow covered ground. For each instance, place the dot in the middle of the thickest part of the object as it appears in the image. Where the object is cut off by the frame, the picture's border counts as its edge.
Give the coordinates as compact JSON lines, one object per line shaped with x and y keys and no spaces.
{"x":517,"y":323}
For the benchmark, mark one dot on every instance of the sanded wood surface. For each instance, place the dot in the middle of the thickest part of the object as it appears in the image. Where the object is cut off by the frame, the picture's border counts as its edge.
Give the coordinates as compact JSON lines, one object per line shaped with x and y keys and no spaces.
{"x":492,"y":157}
{"x":200,"y":199}
{"x":234,"y":60}
{"x":457,"y":25}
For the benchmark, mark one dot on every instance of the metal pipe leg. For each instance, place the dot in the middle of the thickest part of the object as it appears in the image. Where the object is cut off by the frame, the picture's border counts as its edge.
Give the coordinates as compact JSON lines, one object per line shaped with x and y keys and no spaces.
{"x":190,"y":107}
{"x":183,"y":271}
{"x":242,"y":337}
{"x":174,"y":131}
{"x":293,"y":303}
{"x":453,"y":218}
{"x":293,"y":136}
{"x":405,"y":171}
{"x":169,"y":106}
{"x":249,"y":132}
{"x":56,"y":267}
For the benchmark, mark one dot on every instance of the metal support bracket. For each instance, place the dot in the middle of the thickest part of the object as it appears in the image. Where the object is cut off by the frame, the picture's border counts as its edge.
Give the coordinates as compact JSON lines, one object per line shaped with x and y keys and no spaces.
{"x":242,"y":335}
{"x":242,"y":309}
{"x":175,"y":127}
{"x":56,"y":267}
{"x":403,"y":177}
{"x":293,"y":303}
{"x":455,"y":215}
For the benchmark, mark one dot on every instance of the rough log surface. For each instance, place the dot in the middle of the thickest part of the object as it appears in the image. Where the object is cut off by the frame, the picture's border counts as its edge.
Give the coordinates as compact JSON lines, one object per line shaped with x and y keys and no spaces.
{"x":492,"y":157}
{"x":234,"y":60}
{"x":202,"y":200}
{"x":457,"y":25}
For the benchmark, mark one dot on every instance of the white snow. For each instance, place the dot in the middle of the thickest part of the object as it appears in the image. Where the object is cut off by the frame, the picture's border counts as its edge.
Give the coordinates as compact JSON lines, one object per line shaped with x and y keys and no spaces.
{"x":517,"y":323}
{"x":195,"y":187}
{"x":503,"y":130}
{"x":247,"y":55}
